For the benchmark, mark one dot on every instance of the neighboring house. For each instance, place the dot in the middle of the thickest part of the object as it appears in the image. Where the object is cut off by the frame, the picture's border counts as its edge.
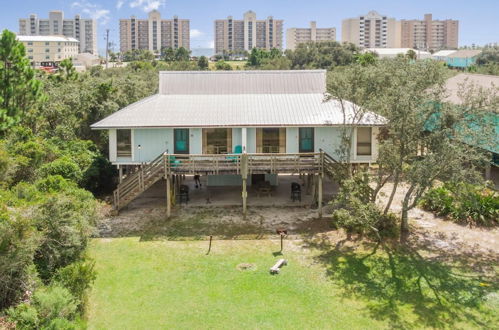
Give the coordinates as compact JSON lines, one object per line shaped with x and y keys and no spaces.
{"x":441,"y":55}
{"x":394,"y":52}
{"x":228,"y":124}
{"x":486,"y":82}
{"x":40,"y":49}
{"x":462,"y":58}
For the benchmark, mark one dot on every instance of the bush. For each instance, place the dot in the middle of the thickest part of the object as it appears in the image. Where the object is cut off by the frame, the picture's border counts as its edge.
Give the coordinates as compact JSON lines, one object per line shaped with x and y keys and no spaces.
{"x":224,"y":66}
{"x":18,"y":242}
{"x":54,"y":184}
{"x":77,"y":278}
{"x":64,"y":167}
{"x":67,"y":223}
{"x":52,"y":307}
{"x":464,"y":203}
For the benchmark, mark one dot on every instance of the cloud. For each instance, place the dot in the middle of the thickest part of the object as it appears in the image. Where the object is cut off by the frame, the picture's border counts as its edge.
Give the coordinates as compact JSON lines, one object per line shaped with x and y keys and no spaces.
{"x":146,"y":5}
{"x":92,"y":10}
{"x":120,"y":4}
{"x":195,"y":33}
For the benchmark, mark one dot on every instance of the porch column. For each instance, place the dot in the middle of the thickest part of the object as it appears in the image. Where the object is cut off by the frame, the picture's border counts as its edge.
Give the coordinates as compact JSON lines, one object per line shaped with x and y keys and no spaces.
{"x":244,"y":175}
{"x":319,"y":201}
{"x":168,"y":196}
{"x":120,"y":170}
{"x":244,"y":139}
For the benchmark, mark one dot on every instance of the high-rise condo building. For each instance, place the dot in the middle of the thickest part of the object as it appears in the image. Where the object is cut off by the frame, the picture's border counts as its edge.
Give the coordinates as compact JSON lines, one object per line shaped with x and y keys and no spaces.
{"x":371,"y":31}
{"x":296,"y":36}
{"x":430,"y":34}
{"x":83,"y":30}
{"x":154,"y":33}
{"x":239,"y":35}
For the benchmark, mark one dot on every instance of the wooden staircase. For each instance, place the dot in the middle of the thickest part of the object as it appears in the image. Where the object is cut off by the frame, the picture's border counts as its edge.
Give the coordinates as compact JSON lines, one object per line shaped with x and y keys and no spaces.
{"x":135,"y":184}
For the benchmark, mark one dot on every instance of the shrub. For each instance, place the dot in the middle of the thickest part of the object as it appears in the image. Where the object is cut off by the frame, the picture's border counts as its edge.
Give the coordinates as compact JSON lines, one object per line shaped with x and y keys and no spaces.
{"x":51,"y":307}
{"x":64,"y":167}
{"x":77,"y":278}
{"x":67,"y":223}
{"x":464,"y":203}
{"x":18,"y":242}
{"x":54,"y":183}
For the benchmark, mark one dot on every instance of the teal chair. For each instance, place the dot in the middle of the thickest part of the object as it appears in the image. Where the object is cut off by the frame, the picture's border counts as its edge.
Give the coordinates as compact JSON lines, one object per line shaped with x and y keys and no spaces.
{"x":237,"y":150}
{"x":174,"y":162}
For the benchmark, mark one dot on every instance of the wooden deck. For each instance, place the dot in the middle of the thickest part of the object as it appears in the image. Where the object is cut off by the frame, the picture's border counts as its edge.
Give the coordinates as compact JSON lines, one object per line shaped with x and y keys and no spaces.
{"x":173,"y":167}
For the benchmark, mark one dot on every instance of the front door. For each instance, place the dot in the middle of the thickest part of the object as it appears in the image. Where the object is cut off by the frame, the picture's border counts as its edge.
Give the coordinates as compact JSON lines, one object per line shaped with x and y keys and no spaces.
{"x":181,"y":140}
{"x":306,"y":136}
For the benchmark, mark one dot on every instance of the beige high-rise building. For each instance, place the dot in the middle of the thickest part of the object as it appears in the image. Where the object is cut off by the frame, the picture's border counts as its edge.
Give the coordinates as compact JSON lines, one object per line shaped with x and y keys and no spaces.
{"x":84,"y":30}
{"x":429,"y":34}
{"x":154,"y":33}
{"x":296,"y":36}
{"x":49,"y":48}
{"x":371,"y":31}
{"x":240,"y":35}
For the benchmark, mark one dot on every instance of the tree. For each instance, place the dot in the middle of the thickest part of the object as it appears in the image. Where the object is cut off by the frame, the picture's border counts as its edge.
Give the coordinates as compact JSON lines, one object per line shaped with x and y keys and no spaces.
{"x":411,"y":55}
{"x":367,"y":58}
{"x":203,"y":63}
{"x":182,"y":54}
{"x":222,"y":65}
{"x":426,"y":139}
{"x":66,"y":71}
{"x":19,"y":89}
{"x":489,"y":55}
{"x":322,"y":55}
{"x":168,"y":54}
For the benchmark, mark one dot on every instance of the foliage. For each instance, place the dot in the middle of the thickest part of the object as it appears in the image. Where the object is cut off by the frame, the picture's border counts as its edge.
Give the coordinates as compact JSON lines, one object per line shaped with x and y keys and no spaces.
{"x":355,"y":211}
{"x":52,"y":307}
{"x":67,"y":223}
{"x":259,"y":57}
{"x":19,"y":89}
{"x":64,"y":167}
{"x":18,"y":242}
{"x":175,"y":55}
{"x":366,"y":58}
{"x":138,"y":55}
{"x":489,"y":55}
{"x":464,"y":203}
{"x":222,"y":65}
{"x":322,"y":55}
{"x":77,"y":277}
{"x":66,"y":71}
{"x":203,"y":63}
{"x":411,"y":55}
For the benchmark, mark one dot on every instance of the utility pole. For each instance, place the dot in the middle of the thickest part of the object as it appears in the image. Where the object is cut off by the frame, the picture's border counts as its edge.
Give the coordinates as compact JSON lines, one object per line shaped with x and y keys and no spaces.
{"x":107,"y":47}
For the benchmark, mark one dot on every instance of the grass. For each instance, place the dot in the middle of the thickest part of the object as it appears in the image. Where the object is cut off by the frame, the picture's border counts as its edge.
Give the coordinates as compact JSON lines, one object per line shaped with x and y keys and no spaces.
{"x":152,"y":284}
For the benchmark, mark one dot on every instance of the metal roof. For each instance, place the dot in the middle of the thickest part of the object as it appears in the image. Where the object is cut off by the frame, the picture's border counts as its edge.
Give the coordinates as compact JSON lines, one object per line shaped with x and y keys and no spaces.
{"x":453,"y":85}
{"x":46,"y":38}
{"x":238,"y":99}
{"x":242,"y":82}
{"x":444,"y":53}
{"x":465,"y":53}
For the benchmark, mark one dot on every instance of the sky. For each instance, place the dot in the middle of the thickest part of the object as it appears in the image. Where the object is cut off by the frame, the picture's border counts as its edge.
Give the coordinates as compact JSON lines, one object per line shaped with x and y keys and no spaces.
{"x":479,"y":19}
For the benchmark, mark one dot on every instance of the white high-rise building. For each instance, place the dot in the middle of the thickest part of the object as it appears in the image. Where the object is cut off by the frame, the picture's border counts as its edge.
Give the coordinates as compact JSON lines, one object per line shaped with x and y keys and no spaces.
{"x":154,"y":33}
{"x":248,"y":33}
{"x":296,"y":36}
{"x":372,"y":31}
{"x":83,"y":30}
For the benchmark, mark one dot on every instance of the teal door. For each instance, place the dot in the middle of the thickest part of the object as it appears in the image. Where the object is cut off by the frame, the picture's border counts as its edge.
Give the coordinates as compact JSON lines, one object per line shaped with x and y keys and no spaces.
{"x":306,"y":139}
{"x":181,"y":140}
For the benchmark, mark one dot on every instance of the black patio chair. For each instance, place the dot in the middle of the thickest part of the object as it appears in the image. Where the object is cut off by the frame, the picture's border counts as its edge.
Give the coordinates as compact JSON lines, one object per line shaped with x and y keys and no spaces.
{"x":295,"y":191}
{"x":183,"y":194}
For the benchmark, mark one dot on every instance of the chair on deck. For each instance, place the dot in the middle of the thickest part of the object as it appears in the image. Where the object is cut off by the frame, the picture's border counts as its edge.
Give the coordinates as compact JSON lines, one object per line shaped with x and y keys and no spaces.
{"x":295,"y":191}
{"x":237,"y":150}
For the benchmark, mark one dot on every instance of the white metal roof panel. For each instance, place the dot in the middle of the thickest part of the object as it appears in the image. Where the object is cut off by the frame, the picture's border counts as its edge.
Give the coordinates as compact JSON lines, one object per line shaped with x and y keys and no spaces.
{"x":239,"y":110}
{"x":46,"y":38}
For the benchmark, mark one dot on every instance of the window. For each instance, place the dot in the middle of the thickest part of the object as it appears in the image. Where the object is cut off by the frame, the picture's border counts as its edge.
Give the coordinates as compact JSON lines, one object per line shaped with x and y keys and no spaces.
{"x":47,"y":43}
{"x":47,"y":50}
{"x":30,"y":43}
{"x":306,"y":136}
{"x":364,"y":139}
{"x":181,"y":141}
{"x":271,"y":140}
{"x":217,"y":140}
{"x":124,"y":142}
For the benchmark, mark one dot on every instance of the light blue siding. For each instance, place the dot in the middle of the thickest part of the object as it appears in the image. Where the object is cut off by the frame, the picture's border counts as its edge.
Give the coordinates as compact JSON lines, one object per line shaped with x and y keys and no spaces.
{"x":460,"y":62}
{"x":237,"y":138}
{"x":152,"y":143}
{"x":251,"y":140}
{"x":196,"y":141}
{"x":328,"y":139}
{"x":292,"y":145}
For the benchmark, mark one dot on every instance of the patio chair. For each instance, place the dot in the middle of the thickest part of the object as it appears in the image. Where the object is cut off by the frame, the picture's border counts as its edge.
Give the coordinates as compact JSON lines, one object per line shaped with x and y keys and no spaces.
{"x":183,"y":194}
{"x":295,"y":191}
{"x":237,"y":150}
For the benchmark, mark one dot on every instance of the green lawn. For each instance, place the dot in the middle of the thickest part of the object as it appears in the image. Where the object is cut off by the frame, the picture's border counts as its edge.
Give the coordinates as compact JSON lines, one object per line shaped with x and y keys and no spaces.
{"x":173,"y":284}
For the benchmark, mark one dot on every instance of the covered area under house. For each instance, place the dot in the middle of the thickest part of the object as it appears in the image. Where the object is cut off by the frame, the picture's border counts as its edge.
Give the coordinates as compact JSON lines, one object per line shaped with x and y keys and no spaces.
{"x":249,"y":133}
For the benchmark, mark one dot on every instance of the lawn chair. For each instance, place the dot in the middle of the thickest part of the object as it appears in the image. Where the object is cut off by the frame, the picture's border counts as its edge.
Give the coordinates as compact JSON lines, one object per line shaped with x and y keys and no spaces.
{"x":237,"y":150}
{"x":295,"y":191}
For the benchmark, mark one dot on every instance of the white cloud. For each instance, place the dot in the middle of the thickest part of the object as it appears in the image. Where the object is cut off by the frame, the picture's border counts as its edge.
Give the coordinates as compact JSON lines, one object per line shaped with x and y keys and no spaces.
{"x":146,"y":5}
{"x":92,"y":10}
{"x":195,"y":33}
{"x":120,"y":4}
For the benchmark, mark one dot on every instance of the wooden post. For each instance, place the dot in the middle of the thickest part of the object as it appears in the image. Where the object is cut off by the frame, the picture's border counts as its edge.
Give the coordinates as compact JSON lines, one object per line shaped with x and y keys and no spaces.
{"x":244,"y":175}
{"x":120,"y":169}
{"x":320,"y":195}
{"x":168,"y":197}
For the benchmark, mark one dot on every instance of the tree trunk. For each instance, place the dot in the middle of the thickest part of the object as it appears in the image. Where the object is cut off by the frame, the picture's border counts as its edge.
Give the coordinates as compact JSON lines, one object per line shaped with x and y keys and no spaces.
{"x":404,"y":224}
{"x":392,"y":195}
